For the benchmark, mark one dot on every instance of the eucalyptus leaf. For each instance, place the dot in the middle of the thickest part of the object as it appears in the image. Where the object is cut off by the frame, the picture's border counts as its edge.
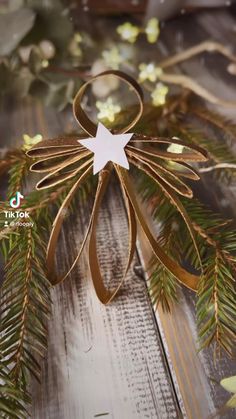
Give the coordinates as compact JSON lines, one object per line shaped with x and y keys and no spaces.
{"x":229,"y":384}
{"x":13,"y":28}
{"x":53,"y":25}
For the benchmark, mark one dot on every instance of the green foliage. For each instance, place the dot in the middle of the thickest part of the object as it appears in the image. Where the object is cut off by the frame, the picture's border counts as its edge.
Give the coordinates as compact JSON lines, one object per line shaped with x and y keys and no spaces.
{"x":212,"y":132}
{"x":229,"y":384}
{"x":225,"y":127}
{"x":13,"y":400}
{"x":25,"y":306}
{"x":25,"y":293}
{"x":21,"y":75}
{"x":216,"y":240}
{"x":17,"y":174}
{"x":162,"y":287}
{"x":216,"y":311}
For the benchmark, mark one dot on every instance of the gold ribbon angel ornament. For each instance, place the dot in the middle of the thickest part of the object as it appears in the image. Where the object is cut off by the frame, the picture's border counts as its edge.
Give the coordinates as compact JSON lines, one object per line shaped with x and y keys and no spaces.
{"x":103,"y":152}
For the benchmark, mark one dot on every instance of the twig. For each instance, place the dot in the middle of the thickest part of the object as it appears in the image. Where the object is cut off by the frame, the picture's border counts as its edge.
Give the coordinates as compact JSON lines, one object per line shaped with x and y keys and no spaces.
{"x":207,"y":46}
{"x":189,"y":83}
{"x":69,"y":72}
{"x":217,"y":167}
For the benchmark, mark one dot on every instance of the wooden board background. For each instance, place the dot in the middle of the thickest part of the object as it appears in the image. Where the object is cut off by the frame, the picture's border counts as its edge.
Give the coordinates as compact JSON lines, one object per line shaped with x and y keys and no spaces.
{"x":122,"y":361}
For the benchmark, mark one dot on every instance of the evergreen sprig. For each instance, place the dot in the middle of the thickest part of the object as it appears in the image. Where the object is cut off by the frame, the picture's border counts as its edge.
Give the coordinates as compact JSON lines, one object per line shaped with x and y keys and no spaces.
{"x":211,"y":131}
{"x":25,"y":293}
{"x":216,"y":311}
{"x":17,"y":173}
{"x":13,"y":400}
{"x":25,"y":307}
{"x":216,"y":239}
{"x":223,"y":126}
{"x":163,"y":287}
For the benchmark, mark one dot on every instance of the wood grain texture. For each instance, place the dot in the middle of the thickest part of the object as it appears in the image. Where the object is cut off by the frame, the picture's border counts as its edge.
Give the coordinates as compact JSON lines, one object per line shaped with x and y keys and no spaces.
{"x":103,"y":359}
{"x":197,"y":373}
{"x":121,"y":361}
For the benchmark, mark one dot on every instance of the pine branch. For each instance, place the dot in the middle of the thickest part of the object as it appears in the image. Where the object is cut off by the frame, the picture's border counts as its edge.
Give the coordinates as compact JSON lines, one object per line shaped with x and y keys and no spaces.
{"x":218,"y":151}
{"x":216,"y":309}
{"x":9,"y":159}
{"x":26,"y":304}
{"x":220,"y":123}
{"x":45,"y":201}
{"x":13,"y":400}
{"x":17,"y":172}
{"x":163,"y":286}
{"x":25,"y":294}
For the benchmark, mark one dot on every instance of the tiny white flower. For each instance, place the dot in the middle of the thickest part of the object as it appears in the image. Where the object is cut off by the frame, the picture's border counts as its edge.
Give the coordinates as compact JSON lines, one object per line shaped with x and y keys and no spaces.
{"x":107,"y":110}
{"x":112,"y":58}
{"x":159,"y":94}
{"x":149,"y":72}
{"x":128,"y":32}
{"x":152,"y":30}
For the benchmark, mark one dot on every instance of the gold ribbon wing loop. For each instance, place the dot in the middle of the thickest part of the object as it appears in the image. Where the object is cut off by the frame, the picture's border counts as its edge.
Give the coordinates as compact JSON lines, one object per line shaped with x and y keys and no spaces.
{"x":150,"y":171}
{"x":56,"y":228}
{"x":53,"y":147}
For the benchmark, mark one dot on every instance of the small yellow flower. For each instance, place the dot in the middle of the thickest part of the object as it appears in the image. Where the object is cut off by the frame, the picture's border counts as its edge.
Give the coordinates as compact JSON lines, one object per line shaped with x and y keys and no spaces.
{"x":29,"y":142}
{"x":74,"y":45}
{"x":112,"y":58}
{"x":159,"y":94}
{"x":78,"y":38}
{"x":152,"y":30}
{"x":149,"y":72}
{"x":128,"y":32}
{"x":107,"y":110}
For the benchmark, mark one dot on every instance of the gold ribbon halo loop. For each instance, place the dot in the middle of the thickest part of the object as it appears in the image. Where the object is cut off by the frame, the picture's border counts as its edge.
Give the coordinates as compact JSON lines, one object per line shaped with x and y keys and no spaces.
{"x":85,"y":122}
{"x":152,"y":159}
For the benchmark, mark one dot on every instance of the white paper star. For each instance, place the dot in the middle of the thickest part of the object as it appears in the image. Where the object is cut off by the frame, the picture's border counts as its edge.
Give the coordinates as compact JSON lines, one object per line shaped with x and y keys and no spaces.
{"x":107,"y":147}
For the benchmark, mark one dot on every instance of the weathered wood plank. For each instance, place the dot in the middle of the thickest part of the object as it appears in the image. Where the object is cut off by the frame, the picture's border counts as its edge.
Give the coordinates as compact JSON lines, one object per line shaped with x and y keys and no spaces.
{"x":101,"y":359}
{"x":194,"y":370}
{"x":115,"y":360}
